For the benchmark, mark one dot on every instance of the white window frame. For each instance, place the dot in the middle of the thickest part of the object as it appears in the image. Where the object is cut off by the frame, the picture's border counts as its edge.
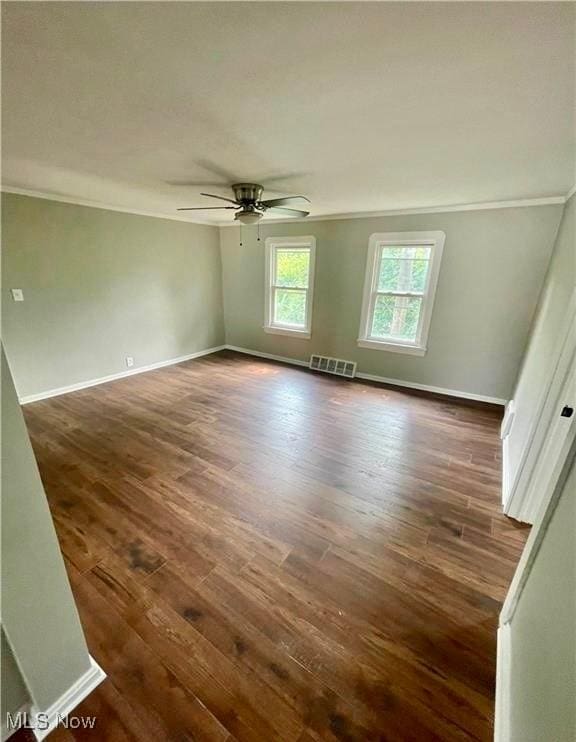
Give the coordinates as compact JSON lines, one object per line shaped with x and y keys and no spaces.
{"x":379,"y":240}
{"x":300,"y":242}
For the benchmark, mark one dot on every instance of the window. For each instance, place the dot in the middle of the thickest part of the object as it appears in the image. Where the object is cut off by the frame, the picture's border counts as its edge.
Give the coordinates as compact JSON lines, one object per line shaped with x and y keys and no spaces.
{"x":401,"y":277}
{"x":289,"y":285}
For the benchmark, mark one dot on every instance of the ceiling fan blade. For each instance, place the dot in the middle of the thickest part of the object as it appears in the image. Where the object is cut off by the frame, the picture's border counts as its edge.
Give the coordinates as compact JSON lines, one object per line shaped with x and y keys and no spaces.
{"x":284,"y":201}
{"x":284,"y":210}
{"x":211,"y":195}
{"x":204,"y":208}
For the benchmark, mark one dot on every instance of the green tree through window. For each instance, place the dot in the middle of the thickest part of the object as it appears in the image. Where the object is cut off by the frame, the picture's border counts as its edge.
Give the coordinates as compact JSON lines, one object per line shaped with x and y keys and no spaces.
{"x":401,"y":282}
{"x":291,"y":283}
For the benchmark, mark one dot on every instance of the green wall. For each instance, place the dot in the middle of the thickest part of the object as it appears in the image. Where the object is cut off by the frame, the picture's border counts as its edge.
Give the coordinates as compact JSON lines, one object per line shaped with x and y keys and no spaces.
{"x":39,"y":615}
{"x":13,"y":693}
{"x":542,"y":351}
{"x":491,"y":274}
{"x":102,"y":285}
{"x":542,"y":672}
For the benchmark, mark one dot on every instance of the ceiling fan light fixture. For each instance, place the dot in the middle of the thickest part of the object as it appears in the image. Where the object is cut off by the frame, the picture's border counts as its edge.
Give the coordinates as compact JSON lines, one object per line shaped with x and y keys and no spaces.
{"x":248,"y":204}
{"x":248,"y":217}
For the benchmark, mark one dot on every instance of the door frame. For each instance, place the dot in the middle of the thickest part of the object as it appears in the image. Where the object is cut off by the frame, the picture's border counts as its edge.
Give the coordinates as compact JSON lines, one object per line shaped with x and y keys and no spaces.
{"x":516,"y":493}
{"x":534,"y":499}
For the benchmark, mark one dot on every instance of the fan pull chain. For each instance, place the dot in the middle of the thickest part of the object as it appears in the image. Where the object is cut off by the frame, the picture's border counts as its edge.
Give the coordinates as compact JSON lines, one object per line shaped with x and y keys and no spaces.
{"x":240,"y":235}
{"x":258,"y":231}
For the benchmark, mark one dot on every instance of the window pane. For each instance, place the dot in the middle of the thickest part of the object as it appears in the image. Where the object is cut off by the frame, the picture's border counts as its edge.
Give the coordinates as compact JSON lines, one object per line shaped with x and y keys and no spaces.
{"x":396,"y":317}
{"x":292,"y":268}
{"x":403,"y":268}
{"x":409,"y":252}
{"x":290,"y":308}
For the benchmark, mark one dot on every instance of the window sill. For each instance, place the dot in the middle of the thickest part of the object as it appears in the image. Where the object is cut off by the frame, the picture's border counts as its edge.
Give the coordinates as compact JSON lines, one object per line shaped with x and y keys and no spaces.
{"x":303,"y":334}
{"x":414,"y":350}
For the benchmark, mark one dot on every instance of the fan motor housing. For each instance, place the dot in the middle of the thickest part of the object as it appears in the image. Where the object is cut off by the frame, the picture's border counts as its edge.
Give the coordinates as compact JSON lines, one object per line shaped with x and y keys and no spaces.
{"x":249,"y":193}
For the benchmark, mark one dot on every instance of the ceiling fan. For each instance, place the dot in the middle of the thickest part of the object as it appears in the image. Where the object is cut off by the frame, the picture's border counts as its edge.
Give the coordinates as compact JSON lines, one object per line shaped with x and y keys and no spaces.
{"x":249,"y":206}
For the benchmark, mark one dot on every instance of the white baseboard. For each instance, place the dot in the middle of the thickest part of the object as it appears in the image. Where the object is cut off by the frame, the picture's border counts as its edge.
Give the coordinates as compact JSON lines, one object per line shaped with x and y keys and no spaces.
{"x":247,"y":351}
{"x":45,"y":721}
{"x":269,"y":356}
{"x":380,"y":379}
{"x":114,"y":377}
{"x":503,"y":677}
{"x":435,"y":389}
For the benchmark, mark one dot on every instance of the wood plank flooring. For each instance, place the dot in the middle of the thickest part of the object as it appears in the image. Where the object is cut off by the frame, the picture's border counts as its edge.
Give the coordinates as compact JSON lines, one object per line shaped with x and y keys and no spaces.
{"x":261,"y":553}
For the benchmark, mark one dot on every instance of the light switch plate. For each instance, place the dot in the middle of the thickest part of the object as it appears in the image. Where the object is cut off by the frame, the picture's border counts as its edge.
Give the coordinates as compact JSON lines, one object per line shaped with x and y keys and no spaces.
{"x":17,"y":294}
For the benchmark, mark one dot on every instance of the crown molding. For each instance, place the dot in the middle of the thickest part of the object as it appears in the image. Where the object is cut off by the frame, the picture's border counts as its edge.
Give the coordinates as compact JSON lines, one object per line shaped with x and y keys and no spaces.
{"x":98,"y":205}
{"x":518,"y":203}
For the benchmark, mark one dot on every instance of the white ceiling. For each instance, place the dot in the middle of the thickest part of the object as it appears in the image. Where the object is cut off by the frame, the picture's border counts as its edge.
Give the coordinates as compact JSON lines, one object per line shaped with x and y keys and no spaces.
{"x":360,"y":106}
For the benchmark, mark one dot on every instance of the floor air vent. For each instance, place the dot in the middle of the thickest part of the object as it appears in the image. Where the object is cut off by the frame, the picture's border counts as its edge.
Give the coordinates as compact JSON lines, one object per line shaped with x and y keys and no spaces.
{"x":333,"y":366}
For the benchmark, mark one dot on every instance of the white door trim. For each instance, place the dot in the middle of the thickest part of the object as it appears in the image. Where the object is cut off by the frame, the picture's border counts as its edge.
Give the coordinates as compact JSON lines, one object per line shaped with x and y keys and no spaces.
{"x":514,"y":492}
{"x":541,"y":483}
{"x":503,"y":679}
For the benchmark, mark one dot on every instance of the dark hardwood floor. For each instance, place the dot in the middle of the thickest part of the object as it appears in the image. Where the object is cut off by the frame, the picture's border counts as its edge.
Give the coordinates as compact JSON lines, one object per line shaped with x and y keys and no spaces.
{"x":260,"y":553}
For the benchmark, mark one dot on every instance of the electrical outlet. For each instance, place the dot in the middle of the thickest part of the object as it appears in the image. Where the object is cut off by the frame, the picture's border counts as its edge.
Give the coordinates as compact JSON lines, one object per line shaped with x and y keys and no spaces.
{"x":129,"y":361}
{"x":17,"y":294}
